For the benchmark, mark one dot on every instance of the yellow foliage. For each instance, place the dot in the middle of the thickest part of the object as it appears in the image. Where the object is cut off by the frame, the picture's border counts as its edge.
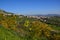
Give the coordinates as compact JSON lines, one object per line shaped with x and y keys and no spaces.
{"x":26,"y":24}
{"x":4,"y":24}
{"x":30,"y":28}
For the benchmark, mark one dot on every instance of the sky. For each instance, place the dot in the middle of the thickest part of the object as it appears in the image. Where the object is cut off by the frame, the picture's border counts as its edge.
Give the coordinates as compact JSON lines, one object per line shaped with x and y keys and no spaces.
{"x":31,"y":7}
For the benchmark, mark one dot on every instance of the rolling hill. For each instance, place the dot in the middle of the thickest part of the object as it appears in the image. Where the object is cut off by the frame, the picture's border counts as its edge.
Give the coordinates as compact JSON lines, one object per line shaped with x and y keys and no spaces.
{"x":15,"y":27}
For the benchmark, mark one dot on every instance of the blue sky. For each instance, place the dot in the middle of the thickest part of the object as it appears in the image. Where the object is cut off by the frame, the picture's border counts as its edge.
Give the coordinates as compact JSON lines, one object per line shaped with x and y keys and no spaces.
{"x":31,"y":7}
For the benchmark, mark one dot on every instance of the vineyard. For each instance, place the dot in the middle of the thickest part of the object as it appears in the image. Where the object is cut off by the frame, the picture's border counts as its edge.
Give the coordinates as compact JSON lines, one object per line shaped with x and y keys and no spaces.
{"x":14,"y":28}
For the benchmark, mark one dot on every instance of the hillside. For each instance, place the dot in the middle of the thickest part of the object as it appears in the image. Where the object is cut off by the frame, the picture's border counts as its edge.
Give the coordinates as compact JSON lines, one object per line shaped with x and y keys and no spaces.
{"x":2,"y":11}
{"x":6,"y":34}
{"x":15,"y":27}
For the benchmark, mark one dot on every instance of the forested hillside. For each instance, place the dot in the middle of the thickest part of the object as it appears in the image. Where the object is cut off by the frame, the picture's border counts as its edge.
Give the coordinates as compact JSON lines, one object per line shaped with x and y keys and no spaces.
{"x":17,"y":27}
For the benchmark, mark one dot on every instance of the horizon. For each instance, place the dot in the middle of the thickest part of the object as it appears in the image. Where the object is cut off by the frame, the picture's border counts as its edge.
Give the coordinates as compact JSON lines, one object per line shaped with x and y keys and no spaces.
{"x":31,"y":7}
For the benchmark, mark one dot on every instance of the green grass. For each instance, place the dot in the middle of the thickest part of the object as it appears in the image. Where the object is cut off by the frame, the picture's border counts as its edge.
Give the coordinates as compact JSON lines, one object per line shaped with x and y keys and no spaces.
{"x":6,"y":34}
{"x":55,"y":27}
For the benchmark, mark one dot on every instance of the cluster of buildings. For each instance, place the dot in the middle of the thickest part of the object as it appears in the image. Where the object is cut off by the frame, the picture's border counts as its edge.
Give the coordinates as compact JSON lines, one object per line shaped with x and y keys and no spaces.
{"x":42,"y":18}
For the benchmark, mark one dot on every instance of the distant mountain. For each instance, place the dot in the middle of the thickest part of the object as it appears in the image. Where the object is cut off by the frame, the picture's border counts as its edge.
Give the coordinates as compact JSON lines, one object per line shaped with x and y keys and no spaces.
{"x":5,"y":12}
{"x":53,"y":15}
{"x":48,"y":15}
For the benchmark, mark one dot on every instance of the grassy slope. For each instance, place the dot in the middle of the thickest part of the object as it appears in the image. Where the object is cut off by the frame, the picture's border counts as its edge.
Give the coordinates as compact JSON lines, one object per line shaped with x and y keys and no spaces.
{"x":8,"y":34}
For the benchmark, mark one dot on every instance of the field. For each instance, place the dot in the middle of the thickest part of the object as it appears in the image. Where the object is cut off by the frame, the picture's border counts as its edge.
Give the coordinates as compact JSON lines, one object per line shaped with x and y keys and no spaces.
{"x":19,"y":27}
